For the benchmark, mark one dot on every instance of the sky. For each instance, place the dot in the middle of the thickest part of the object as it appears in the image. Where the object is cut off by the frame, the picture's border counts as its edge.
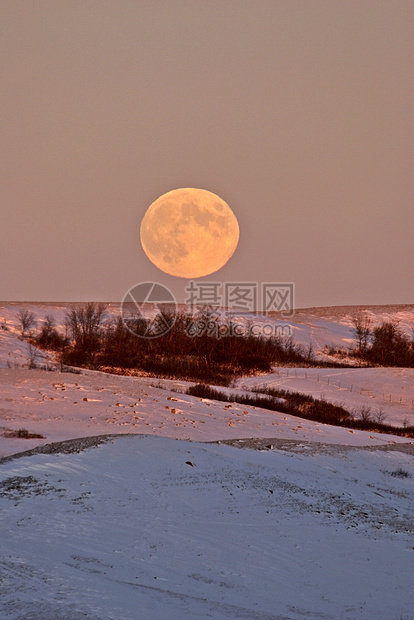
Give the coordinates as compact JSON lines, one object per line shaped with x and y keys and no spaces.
{"x":297,"y":113}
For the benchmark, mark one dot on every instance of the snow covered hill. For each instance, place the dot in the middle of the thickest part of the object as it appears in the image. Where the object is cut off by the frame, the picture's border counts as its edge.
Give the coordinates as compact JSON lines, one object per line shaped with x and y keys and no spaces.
{"x":295,"y":519}
{"x":65,"y":406}
{"x":149,"y":527}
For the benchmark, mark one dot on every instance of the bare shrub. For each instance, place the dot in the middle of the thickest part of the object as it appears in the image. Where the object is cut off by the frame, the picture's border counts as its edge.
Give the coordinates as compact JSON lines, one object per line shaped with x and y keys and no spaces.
{"x":365,"y":413}
{"x":23,"y":433}
{"x":33,"y":355}
{"x":26,"y":320}
{"x":379,"y":415}
{"x":49,"y":337}
{"x":400,"y":473}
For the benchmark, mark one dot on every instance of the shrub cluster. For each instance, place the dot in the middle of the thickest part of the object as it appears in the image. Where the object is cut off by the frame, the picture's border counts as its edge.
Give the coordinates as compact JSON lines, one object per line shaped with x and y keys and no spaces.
{"x":108,"y":344}
{"x":203,"y":348}
{"x":49,"y":338}
{"x":301,"y":406}
{"x":390,"y":346}
{"x":386,"y":344}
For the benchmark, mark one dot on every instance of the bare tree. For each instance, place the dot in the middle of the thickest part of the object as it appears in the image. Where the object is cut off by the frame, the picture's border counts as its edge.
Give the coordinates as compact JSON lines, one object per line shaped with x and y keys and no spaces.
{"x":85,"y":325}
{"x":27,"y":320}
{"x":390,"y":346}
{"x":85,"y":321}
{"x":362,"y":330}
{"x":33,"y":355}
{"x":49,"y":322}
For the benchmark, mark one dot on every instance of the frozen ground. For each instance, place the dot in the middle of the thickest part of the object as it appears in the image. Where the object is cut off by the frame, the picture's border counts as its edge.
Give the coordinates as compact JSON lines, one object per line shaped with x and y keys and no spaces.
{"x":149,"y":527}
{"x":308,"y":521}
{"x":65,"y":406}
{"x":389,"y":390}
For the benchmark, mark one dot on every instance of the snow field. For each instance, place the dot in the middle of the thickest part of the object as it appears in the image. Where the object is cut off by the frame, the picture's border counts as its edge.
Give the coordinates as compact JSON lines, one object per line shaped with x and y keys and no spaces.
{"x":152,"y":527}
{"x":318,"y":523}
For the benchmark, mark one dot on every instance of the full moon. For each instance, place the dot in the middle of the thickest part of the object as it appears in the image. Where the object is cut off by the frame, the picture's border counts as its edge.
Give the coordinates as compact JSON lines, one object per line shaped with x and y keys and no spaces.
{"x":189,"y":232}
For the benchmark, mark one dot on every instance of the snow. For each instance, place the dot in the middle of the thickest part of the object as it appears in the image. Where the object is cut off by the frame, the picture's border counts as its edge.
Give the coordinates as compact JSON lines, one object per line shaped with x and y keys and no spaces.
{"x":65,"y":406}
{"x":295,"y":520}
{"x":390,"y":390}
{"x":150,"y":527}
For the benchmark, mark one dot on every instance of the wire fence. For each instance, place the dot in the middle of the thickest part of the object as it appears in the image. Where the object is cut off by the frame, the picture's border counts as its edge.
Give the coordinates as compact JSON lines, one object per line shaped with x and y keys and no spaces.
{"x":341,"y":385}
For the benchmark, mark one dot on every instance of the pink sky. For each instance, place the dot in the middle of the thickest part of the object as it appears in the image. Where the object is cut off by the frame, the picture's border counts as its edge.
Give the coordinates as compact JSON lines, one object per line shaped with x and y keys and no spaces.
{"x":299,"y":114}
